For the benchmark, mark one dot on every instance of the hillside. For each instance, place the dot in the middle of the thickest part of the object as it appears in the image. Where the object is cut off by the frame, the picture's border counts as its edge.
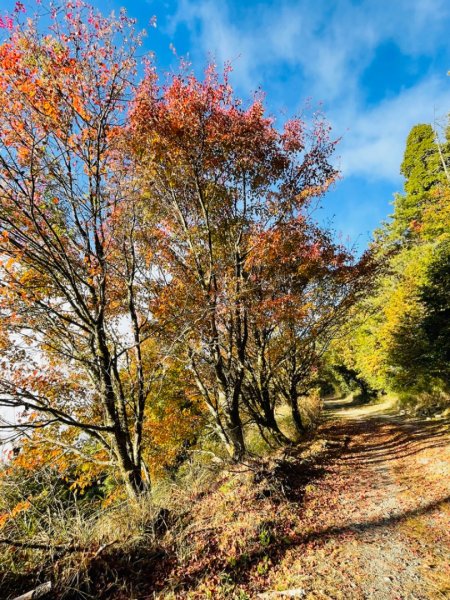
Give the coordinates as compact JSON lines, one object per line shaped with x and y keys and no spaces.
{"x":361,"y":512}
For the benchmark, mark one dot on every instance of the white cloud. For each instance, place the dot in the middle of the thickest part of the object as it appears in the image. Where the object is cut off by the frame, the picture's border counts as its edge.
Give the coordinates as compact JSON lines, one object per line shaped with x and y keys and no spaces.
{"x":329,"y":46}
{"x":374,"y":145}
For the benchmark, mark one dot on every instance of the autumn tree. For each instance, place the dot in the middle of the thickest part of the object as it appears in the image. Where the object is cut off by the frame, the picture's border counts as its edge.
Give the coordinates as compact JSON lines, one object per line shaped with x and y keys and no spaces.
{"x":144,"y":228}
{"x":241,"y":256}
{"x":75,"y":276}
{"x":307,"y":285}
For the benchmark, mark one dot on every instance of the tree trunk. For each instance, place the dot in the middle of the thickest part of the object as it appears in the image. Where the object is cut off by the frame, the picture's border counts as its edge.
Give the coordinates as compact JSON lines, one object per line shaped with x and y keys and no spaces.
{"x":297,"y":417}
{"x":128,"y":458}
{"x":131,"y":473}
{"x":271,"y":424}
{"x":235,"y":442}
{"x":134,"y":483}
{"x":39,"y":592}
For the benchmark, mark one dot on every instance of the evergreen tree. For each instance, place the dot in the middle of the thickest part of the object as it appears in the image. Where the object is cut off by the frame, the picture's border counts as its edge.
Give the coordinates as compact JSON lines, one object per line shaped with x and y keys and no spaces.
{"x":423,"y":170}
{"x":435,"y":297}
{"x":399,"y":337}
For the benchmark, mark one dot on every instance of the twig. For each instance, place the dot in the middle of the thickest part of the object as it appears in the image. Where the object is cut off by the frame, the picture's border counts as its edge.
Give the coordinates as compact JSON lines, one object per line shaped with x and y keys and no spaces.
{"x":39,"y":592}
{"x":104,"y":546}
{"x":38,"y":546}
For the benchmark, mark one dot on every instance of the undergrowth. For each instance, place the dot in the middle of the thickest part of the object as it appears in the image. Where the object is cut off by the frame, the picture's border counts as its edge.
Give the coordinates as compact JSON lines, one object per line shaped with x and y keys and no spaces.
{"x":205,"y":526}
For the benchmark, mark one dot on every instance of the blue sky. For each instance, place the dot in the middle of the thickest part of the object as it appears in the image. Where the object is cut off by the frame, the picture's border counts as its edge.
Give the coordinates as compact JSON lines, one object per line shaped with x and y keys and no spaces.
{"x":376,"y":67}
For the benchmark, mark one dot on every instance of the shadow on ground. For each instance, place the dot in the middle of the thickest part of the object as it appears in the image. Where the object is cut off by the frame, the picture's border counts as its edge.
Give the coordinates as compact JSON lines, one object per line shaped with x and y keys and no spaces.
{"x":354,"y":442}
{"x":371,"y":441}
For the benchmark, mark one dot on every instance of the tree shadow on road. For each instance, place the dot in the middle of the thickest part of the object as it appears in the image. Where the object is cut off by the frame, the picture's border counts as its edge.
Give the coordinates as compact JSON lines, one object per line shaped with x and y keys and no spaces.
{"x":406,"y":438}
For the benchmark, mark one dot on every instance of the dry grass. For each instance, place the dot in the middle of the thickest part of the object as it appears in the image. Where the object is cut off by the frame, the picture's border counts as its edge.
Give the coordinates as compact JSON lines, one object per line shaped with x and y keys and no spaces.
{"x":315,"y":516}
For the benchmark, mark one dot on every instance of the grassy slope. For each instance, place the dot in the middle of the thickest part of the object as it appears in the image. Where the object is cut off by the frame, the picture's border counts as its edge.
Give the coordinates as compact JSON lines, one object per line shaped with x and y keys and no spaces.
{"x":364,"y":519}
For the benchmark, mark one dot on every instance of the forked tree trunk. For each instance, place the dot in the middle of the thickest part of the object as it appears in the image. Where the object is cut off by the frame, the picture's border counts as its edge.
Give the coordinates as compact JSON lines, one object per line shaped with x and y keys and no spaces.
{"x":128,"y":459}
{"x":226,"y":416}
{"x":271,"y":424}
{"x":263,"y":411}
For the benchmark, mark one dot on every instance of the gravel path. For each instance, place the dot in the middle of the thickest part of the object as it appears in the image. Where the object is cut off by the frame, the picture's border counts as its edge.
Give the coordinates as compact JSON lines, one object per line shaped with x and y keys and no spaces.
{"x":377,"y":524}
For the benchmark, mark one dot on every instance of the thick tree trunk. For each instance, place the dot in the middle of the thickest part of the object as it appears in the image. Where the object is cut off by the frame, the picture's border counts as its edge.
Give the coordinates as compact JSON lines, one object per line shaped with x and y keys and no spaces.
{"x":128,"y":458}
{"x":235,"y":443}
{"x":134,"y":483}
{"x":271,"y":424}
{"x":234,"y":434}
{"x":132,"y":478}
{"x":262,"y":410}
{"x":131,"y":473}
{"x":297,"y":417}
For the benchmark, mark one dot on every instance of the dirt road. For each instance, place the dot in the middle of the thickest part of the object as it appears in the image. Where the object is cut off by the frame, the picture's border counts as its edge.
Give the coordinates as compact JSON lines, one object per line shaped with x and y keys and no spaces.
{"x":378,"y":521}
